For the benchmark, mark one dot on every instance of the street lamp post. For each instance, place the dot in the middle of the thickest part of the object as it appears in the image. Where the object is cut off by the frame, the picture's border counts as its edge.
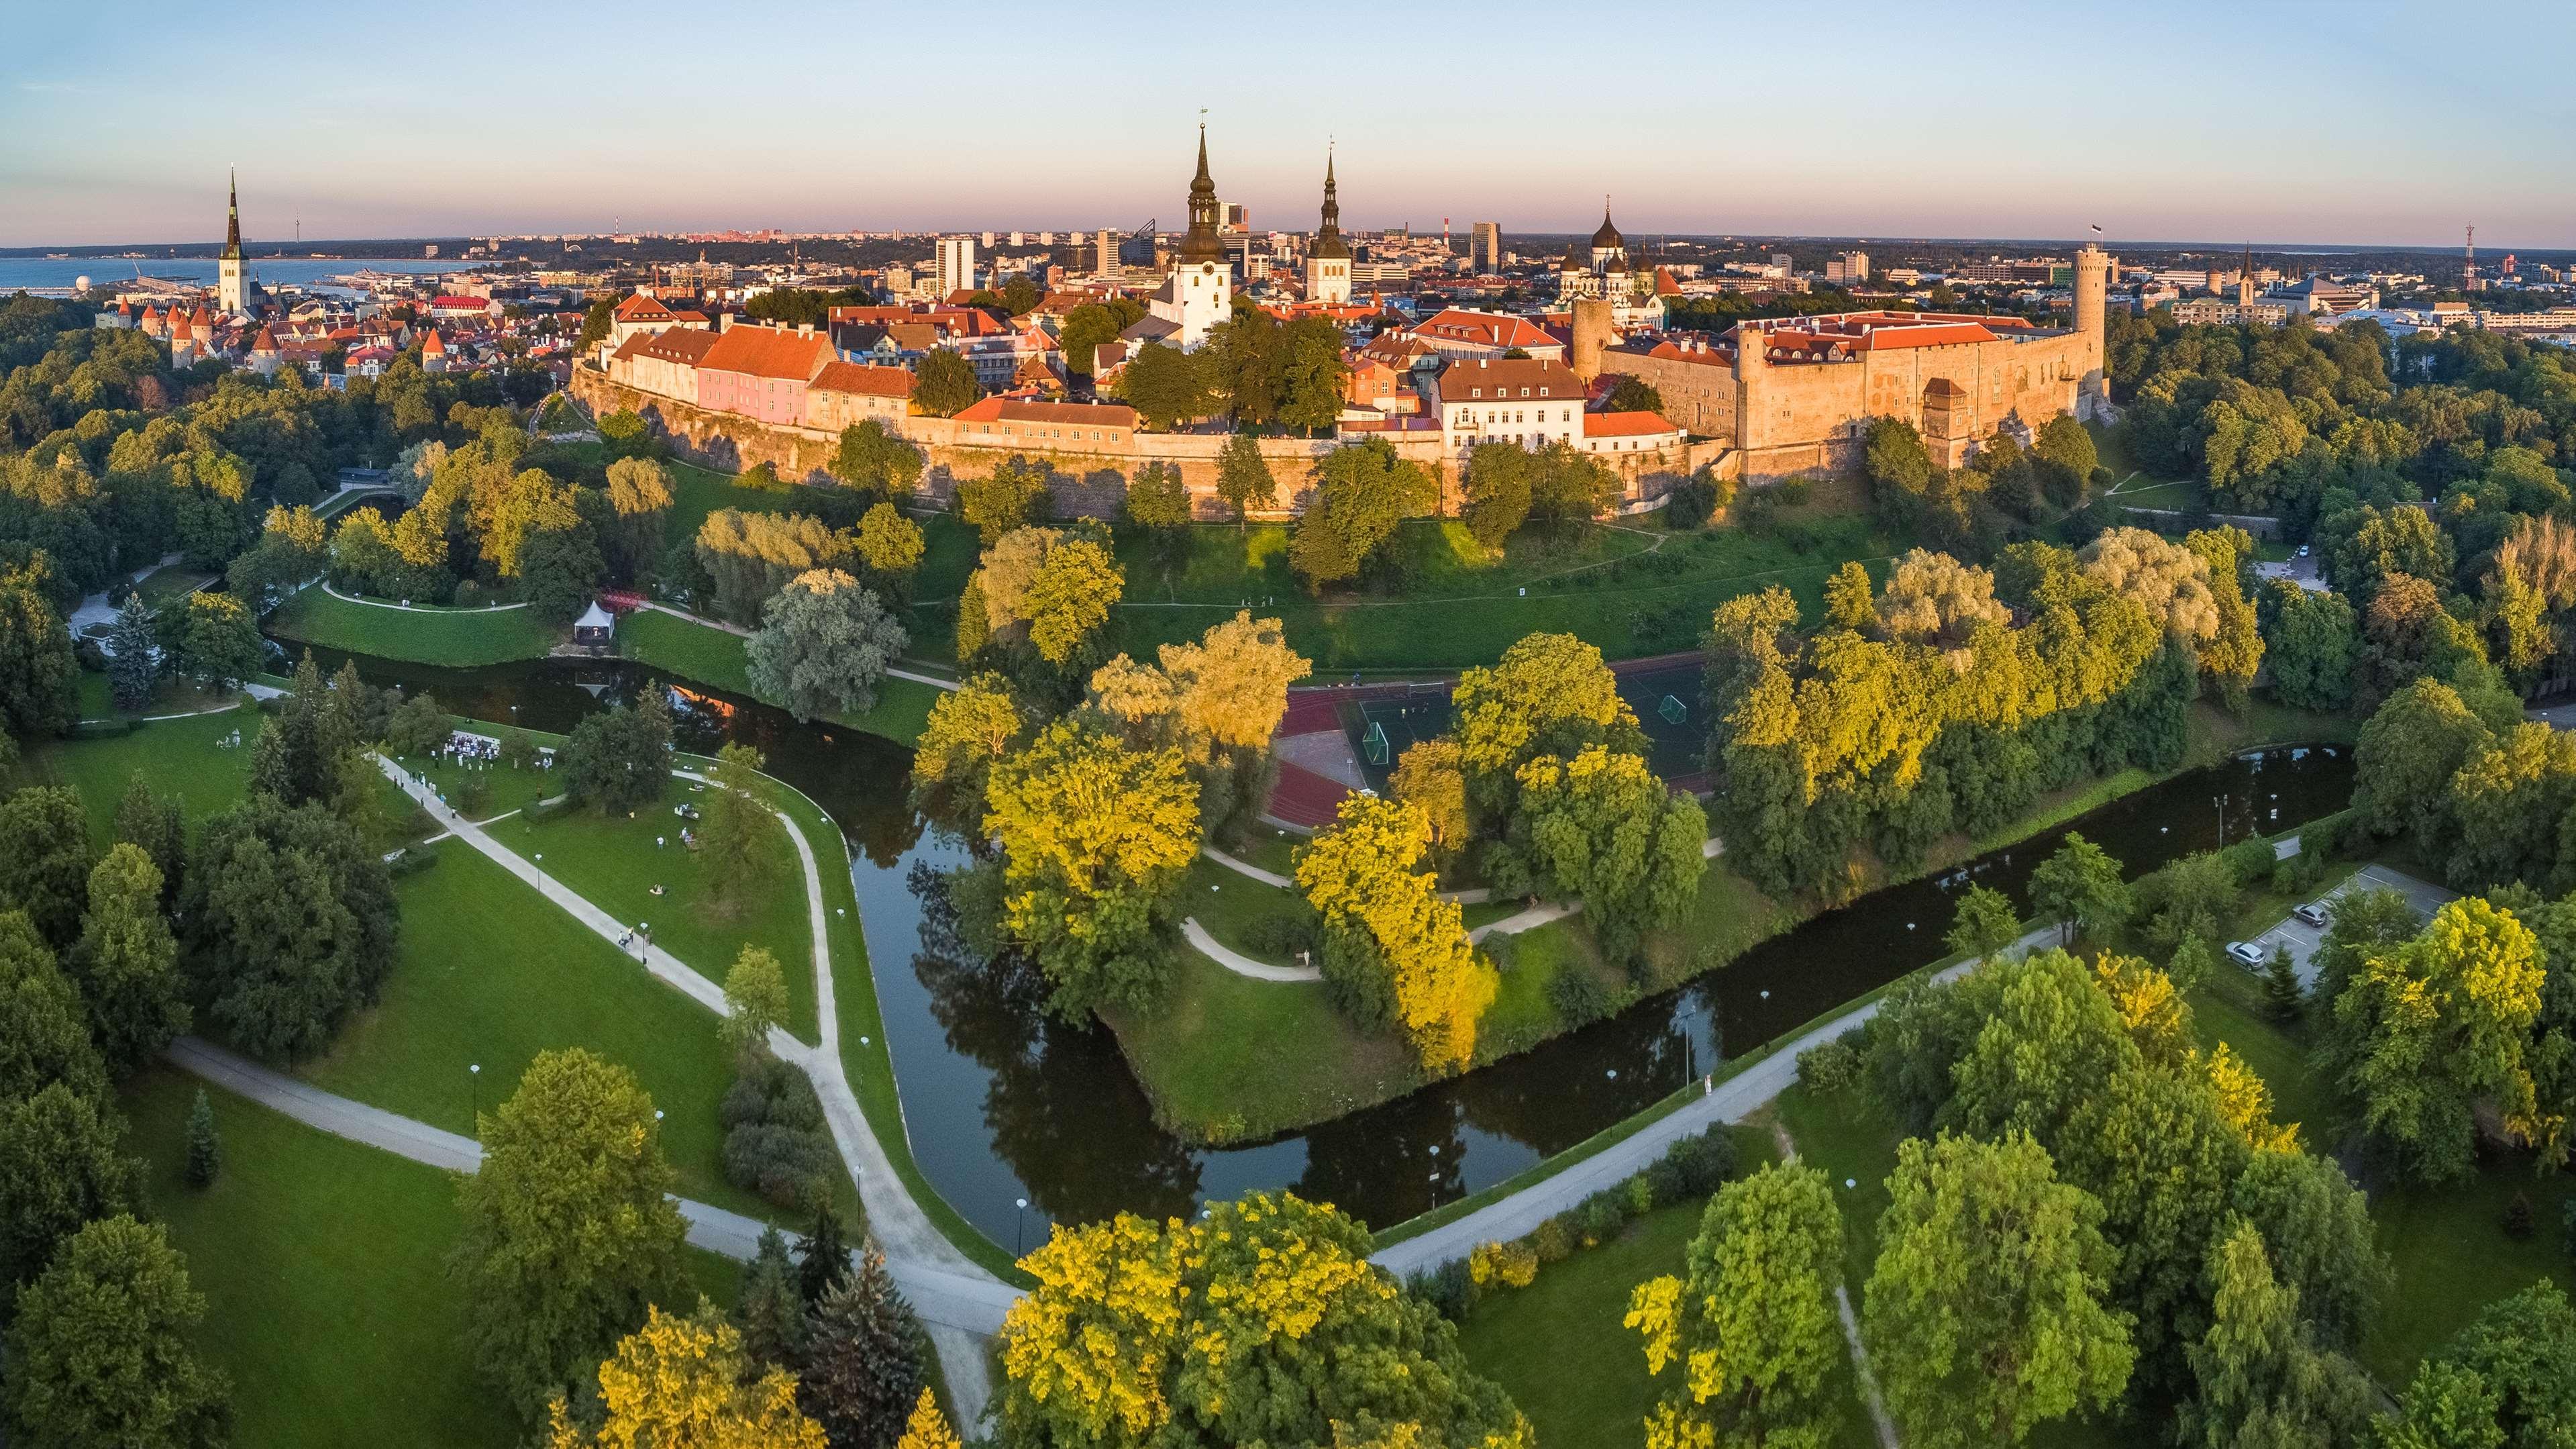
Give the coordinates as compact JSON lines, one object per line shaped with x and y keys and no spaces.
{"x":1019,"y":1228}
{"x":474,"y":1098}
{"x":2220,"y":801}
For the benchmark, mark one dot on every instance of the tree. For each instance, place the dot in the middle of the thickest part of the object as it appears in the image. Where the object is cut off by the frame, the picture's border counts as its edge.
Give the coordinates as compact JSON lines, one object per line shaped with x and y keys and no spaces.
{"x":1070,"y":597}
{"x":1167,"y":387}
{"x":1262,"y":1322}
{"x":1243,"y":480}
{"x":100,"y":1356}
{"x":822,"y":1260}
{"x":1429,"y":778}
{"x":1602,"y":828}
{"x":1496,"y":481}
{"x":291,"y":925}
{"x":687,"y":1383}
{"x":597,"y":322}
{"x":927,"y":1428}
{"x":1232,"y":685}
{"x":2317,"y":1227}
{"x":1394,"y":952}
{"x":823,"y":644}
{"x":2080,"y":887}
{"x":2314,"y":643}
{"x":1549,"y":694}
{"x":750,"y":556}
{"x":1851,"y":600}
{"x":874,"y":460}
{"x":943,"y":384}
{"x":2409,"y":749}
{"x":755,"y":993}
{"x":45,"y":860}
{"x":559,"y":570}
{"x":1634,"y":395}
{"x":1361,"y":492}
{"x":2261,"y":1377}
{"x":890,"y":548}
{"x":2507,"y":1382}
{"x":39,"y":678}
{"x":1984,"y":925}
{"x":294,"y":548}
{"x":133,"y":656}
{"x":734,"y":836}
{"x":1754,"y":1326}
{"x":157,"y":825}
{"x":205,"y":1148}
{"x":970,"y":728}
{"x":1012,"y":496}
{"x":1093,"y":323}
{"x":126,"y":962}
{"x":569,"y":1230}
{"x":864,"y":1357}
{"x":1095,"y":837}
{"x":44,"y":1032}
{"x":1158,"y":501}
{"x":2191,"y":898}
{"x":639,"y":503}
{"x":59,"y":1168}
{"x":2438,"y":1028}
{"x":298,"y":756}
{"x":770,"y":1312}
{"x":619,"y":759}
{"x":213,"y":639}
{"x":1985,"y":1312}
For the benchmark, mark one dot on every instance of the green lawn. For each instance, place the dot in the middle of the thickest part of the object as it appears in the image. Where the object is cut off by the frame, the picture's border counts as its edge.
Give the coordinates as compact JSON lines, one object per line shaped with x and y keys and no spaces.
{"x":1194,"y":1055}
{"x":432,"y":636}
{"x":613,"y":863}
{"x":163,"y":585}
{"x":481,"y":791}
{"x":2454,"y":1257}
{"x":493,"y":973}
{"x":712,"y":657}
{"x":179,"y":756}
{"x":174,"y":696}
{"x":1557,"y":1346}
{"x":323,"y":1267}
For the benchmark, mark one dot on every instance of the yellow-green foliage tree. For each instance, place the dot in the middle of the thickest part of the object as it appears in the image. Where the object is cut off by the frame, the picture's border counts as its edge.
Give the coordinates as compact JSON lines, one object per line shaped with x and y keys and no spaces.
{"x":1753,"y":1327}
{"x":1261,"y":1323}
{"x":1095,"y":836}
{"x":928,"y":1428}
{"x":1393,"y":950}
{"x":685,"y":1383}
{"x":1601,"y":828}
{"x":1550,"y":694}
{"x":970,"y":728}
{"x":1217,"y":701}
{"x":736,"y":842}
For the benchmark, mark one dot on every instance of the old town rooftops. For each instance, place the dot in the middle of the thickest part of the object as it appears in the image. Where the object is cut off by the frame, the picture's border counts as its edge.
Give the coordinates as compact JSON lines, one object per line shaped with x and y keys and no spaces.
{"x":1497,"y":378}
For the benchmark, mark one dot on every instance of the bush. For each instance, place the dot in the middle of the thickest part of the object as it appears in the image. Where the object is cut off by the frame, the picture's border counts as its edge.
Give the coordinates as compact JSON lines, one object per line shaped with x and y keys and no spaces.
{"x":1829,"y":1067}
{"x":1703,"y":1163}
{"x":785,"y":1165}
{"x":1794,"y":492}
{"x":471,"y":595}
{"x":1511,"y":1265}
{"x":412,"y":860}
{"x":2517,"y":1217}
{"x":1449,"y":1289}
{"x":1282,"y":936}
{"x":1554,"y":1240}
{"x":1603,"y":1216}
{"x":1578,"y":995}
{"x":1640,"y":1192}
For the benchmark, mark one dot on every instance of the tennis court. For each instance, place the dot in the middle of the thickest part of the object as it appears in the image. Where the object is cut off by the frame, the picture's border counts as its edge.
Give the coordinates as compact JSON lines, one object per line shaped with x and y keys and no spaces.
{"x":1668,"y":706}
{"x":1383,"y":729}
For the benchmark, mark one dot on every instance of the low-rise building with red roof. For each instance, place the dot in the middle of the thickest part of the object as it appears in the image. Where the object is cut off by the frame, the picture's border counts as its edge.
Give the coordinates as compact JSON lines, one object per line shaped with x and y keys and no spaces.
{"x":844,"y":393}
{"x":1456,"y":332}
{"x":997,"y":422}
{"x":762,"y":372}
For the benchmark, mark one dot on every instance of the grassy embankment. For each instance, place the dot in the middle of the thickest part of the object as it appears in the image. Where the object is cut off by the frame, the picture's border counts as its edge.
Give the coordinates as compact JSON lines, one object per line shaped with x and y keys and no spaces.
{"x":1189,"y":1056}
{"x":453,"y":637}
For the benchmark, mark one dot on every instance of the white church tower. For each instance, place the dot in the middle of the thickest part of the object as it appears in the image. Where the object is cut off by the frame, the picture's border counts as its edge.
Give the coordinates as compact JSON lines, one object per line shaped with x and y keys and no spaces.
{"x":1200,"y":292}
{"x":232,"y":295}
{"x":1328,"y":261}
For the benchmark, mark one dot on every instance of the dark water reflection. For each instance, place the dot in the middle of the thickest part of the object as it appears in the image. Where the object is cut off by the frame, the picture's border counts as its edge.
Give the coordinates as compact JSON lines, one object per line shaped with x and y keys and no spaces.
{"x":1002,"y":1104}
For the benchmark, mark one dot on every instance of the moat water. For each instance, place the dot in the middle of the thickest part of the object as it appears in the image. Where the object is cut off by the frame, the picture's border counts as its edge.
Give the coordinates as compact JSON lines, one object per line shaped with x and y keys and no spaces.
{"x":1002,"y":1104}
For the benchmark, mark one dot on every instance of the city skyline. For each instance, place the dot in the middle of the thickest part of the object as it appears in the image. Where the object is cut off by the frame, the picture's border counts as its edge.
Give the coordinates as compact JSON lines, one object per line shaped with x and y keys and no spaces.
{"x":2284,"y":136}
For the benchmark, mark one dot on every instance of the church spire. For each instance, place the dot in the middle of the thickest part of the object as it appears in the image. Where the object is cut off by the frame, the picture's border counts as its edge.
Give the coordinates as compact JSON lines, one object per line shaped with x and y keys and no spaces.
{"x":232,"y":217}
{"x":1201,"y":243}
{"x":1328,"y":236}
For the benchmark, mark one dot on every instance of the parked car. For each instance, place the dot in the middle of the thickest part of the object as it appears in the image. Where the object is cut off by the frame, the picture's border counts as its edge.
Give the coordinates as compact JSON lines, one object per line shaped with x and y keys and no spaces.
{"x":2246,"y":953}
{"x":2314,"y":913}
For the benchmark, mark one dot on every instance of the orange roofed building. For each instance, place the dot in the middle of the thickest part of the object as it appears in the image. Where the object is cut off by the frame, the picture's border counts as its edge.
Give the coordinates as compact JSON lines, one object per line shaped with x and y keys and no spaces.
{"x":762,"y":372}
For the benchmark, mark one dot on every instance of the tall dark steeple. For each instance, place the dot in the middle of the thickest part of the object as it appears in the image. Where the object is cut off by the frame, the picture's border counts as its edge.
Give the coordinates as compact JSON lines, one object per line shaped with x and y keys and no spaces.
{"x":1328,"y":237}
{"x":1201,"y":243}
{"x":232,"y":220}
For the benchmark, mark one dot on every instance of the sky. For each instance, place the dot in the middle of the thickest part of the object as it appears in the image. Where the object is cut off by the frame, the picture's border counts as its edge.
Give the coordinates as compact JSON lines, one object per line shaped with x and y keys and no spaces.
{"x":2273,"y":121}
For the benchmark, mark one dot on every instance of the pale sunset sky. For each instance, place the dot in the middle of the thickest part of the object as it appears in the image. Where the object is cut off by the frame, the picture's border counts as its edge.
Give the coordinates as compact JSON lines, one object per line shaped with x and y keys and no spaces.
{"x":2274,"y":122}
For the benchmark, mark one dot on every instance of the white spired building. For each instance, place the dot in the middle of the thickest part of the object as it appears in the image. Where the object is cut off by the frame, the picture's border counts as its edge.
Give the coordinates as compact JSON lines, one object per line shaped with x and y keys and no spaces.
{"x":1328,"y":261}
{"x":232,"y":290}
{"x":1200,"y":292}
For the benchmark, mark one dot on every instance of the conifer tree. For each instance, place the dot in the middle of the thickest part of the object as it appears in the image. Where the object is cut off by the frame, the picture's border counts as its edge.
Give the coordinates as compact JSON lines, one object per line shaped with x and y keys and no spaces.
{"x":205,"y":1149}
{"x":823,"y":1259}
{"x":863,"y":1360}
{"x":771,"y":1312}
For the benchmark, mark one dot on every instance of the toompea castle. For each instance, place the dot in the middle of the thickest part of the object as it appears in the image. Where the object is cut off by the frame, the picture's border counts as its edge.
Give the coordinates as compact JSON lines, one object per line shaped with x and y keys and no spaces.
{"x":1766,"y":399}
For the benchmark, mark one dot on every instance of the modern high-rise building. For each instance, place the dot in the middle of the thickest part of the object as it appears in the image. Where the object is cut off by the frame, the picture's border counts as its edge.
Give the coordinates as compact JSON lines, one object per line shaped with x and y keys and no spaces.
{"x":956,"y":266}
{"x":1485,"y":247}
{"x":1107,"y":265}
{"x":1847,"y":267}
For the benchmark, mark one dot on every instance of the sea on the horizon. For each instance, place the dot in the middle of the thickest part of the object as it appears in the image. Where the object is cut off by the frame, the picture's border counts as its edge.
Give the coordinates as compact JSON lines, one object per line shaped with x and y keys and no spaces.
{"x":61,"y":272}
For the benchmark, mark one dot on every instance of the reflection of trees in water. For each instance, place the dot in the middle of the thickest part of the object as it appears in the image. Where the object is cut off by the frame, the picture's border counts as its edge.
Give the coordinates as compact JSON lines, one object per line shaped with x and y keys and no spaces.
{"x":1561,"y":1092}
{"x":1378,"y":1165}
{"x":1063,"y":1111}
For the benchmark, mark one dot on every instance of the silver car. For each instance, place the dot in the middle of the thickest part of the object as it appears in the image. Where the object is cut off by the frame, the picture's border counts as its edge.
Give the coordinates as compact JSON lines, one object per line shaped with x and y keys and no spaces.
{"x":2246,"y":953}
{"x":2313,"y":913}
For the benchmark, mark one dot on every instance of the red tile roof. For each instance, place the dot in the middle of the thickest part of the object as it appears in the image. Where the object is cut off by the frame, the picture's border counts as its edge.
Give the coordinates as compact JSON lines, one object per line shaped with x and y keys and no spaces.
{"x":768,"y":352}
{"x":863,"y":380}
{"x":639,"y":308}
{"x":1484,"y":329}
{"x":671,"y":344}
{"x":1625,"y":425}
{"x":1088,"y":415}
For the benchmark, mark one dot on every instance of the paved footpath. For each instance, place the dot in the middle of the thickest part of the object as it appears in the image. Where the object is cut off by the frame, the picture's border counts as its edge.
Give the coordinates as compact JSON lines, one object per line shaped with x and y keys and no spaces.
{"x":954,"y":1296}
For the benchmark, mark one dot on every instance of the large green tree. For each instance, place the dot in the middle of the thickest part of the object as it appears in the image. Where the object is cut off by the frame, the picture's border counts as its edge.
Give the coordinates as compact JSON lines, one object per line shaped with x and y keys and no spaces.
{"x":1394,"y":952}
{"x":1986,"y":1312}
{"x":1095,"y":837}
{"x":1603,"y":829}
{"x":569,"y":1230}
{"x":823,"y":644}
{"x":2313,"y":640}
{"x":133,"y":648}
{"x":639,"y":508}
{"x":45,"y":860}
{"x":943,"y":383}
{"x":1752,"y":1325}
{"x":620,"y":759}
{"x":2080,"y":887}
{"x":213,"y":639}
{"x":44,"y":1030}
{"x":2261,"y":1377}
{"x":290,"y":925}
{"x":864,"y":1357}
{"x":1260,"y":1322}
{"x":39,"y":679}
{"x":126,"y":962}
{"x":1243,"y":480}
{"x":60,"y":1167}
{"x":2507,"y":1382}
{"x":1361,"y":492}
{"x":102,"y":1354}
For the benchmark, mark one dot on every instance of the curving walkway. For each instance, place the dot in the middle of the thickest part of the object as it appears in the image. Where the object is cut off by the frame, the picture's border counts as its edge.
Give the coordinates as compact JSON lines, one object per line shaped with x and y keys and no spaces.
{"x":415,"y":608}
{"x":960,"y":1291}
{"x":1238,"y":963}
{"x":739,"y":632}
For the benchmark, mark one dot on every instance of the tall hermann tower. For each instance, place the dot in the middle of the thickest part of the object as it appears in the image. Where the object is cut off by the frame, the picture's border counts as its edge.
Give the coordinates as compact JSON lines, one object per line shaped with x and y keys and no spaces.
{"x":231,"y":296}
{"x":1328,"y":261}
